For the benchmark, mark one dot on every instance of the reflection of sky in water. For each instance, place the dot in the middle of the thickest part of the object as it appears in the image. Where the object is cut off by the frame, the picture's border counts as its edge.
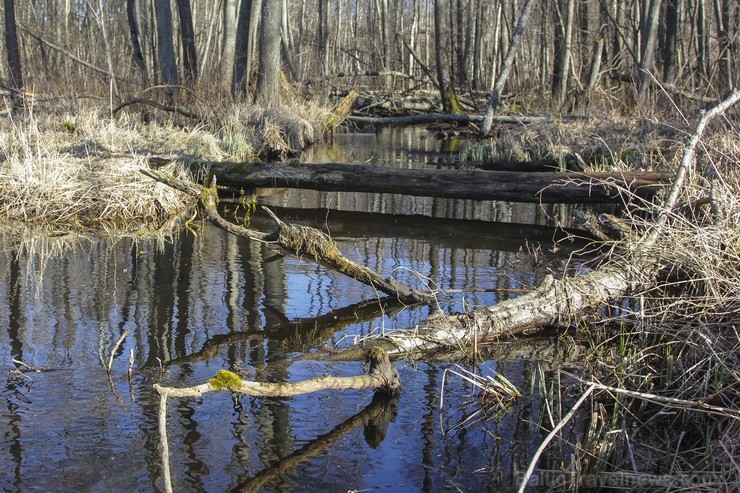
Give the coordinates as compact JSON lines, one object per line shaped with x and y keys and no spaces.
{"x":70,"y":429}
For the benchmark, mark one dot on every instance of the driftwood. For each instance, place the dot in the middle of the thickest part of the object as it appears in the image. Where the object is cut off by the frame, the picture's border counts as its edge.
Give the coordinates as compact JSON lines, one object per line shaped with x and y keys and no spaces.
{"x":381,"y":375}
{"x":296,"y":240}
{"x":535,"y":187}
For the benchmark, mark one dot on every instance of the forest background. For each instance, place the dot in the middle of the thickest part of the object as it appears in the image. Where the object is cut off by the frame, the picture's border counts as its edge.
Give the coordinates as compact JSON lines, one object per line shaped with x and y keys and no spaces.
{"x":570,"y":49}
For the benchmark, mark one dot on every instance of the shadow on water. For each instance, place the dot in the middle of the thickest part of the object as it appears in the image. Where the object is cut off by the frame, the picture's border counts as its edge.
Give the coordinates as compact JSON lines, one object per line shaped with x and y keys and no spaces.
{"x":197,"y":303}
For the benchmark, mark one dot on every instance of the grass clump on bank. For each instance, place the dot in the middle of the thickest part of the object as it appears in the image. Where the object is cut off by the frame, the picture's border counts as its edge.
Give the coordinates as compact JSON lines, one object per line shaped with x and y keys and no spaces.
{"x":609,"y":143}
{"x":80,"y":175}
{"x":81,"y":171}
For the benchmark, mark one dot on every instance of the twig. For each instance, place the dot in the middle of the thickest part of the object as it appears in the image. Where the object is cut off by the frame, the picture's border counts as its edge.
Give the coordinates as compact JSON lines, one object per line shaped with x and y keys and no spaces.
{"x":687,"y":161}
{"x":551,"y":435}
{"x":115,"y":348}
{"x":668,"y":401}
{"x":163,"y":440}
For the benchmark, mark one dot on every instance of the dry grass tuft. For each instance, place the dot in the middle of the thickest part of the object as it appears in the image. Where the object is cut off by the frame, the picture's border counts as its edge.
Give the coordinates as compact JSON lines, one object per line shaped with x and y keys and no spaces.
{"x":605,"y":143}
{"x":76,"y":175}
{"x":285,"y":131}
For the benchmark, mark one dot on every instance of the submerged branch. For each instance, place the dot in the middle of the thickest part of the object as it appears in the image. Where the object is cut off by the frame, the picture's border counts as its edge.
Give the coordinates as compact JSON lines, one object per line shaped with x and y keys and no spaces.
{"x":375,"y":418}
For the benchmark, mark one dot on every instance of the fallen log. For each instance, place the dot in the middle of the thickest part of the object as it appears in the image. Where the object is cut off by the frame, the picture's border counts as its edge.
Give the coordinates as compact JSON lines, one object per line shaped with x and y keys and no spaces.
{"x":427,"y":118}
{"x":535,"y":187}
{"x":557,"y":301}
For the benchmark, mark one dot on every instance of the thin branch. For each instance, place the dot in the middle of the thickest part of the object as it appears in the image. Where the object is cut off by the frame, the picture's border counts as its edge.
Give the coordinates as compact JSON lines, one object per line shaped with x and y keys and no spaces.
{"x":71,"y":56}
{"x":115,"y":348}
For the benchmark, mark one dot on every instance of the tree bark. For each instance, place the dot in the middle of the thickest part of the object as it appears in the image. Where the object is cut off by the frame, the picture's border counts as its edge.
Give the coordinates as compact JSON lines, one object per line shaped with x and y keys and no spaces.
{"x":535,"y":187}
{"x":268,"y":77}
{"x":246,"y":36}
{"x":563,"y":13}
{"x":14,"y":57}
{"x":503,"y":75}
{"x":670,"y":40}
{"x":648,"y":38}
{"x":189,"y":53}
{"x":228,"y":47}
{"x":134,"y":26}
{"x":166,"y":49}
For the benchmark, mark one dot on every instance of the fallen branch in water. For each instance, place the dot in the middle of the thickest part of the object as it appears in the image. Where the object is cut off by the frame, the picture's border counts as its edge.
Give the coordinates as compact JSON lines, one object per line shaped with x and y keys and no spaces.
{"x":557,"y":301}
{"x":381,"y":375}
{"x":296,"y":240}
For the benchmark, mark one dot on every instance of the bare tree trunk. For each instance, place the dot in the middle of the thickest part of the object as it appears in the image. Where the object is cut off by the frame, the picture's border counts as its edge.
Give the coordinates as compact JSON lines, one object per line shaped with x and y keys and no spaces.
{"x":226,"y":64}
{"x":165,"y":48}
{"x":441,"y":53}
{"x":702,"y":40}
{"x":14,"y":57}
{"x":189,"y":53}
{"x":648,"y":38}
{"x":268,"y":77}
{"x":246,"y":31}
{"x":137,"y":56}
{"x":722,"y":15}
{"x":323,"y":35}
{"x":563,"y":10}
{"x":595,"y":70}
{"x":286,"y":37}
{"x":503,"y":75}
{"x":670,"y":44}
{"x":478,"y":45}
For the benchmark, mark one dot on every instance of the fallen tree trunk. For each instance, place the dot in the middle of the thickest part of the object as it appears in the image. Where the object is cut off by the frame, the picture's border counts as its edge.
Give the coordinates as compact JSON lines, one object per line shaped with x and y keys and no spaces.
{"x":556,"y":301}
{"x":535,"y":187}
{"x":427,"y":118}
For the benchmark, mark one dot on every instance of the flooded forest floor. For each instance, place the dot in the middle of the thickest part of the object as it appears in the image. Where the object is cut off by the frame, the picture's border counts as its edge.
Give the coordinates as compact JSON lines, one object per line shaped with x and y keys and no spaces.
{"x":112,"y":282}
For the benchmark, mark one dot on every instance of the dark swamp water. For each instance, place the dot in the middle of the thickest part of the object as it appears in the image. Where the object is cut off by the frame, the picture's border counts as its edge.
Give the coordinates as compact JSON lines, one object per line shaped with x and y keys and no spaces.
{"x":206,"y":301}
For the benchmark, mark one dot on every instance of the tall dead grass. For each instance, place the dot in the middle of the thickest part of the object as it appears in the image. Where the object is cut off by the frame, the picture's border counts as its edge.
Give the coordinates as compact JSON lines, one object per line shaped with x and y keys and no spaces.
{"x":75,"y":173}
{"x":668,"y":418}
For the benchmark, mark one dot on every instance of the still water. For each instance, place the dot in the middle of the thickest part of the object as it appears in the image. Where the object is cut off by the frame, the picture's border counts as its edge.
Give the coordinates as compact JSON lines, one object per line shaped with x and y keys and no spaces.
{"x":203,"y":300}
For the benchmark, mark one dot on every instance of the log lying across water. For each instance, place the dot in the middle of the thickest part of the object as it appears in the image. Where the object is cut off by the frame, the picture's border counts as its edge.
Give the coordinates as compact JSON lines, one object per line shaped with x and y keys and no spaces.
{"x":535,"y":187}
